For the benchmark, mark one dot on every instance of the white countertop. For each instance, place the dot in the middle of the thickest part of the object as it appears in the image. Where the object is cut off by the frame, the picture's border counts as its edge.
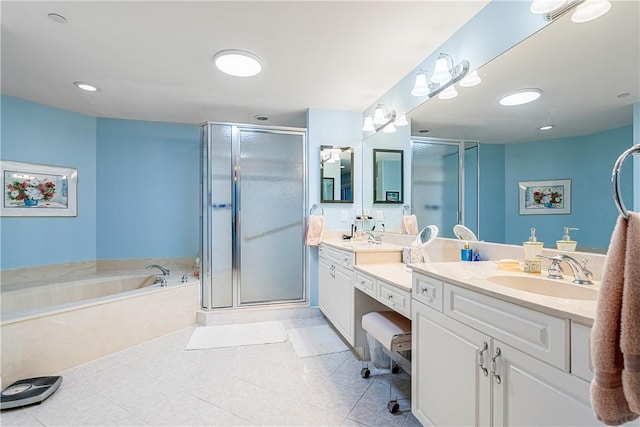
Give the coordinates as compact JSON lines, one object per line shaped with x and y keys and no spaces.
{"x":395,"y":273}
{"x":361,"y":245}
{"x":473,"y":276}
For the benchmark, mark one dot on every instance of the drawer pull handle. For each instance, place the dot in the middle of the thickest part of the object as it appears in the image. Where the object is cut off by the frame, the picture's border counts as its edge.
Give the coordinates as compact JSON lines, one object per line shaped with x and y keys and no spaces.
{"x":485,"y":348}
{"x":494,"y":364}
{"x":389,"y":296}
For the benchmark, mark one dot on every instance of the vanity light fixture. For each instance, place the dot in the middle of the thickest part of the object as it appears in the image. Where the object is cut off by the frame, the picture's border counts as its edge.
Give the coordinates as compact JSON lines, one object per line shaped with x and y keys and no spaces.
{"x":85,"y":86}
{"x":444,"y":76}
{"x":238,"y":63}
{"x":472,"y":79}
{"x":380,"y":119}
{"x":590,"y":10}
{"x":519,"y":97}
{"x":449,"y":93}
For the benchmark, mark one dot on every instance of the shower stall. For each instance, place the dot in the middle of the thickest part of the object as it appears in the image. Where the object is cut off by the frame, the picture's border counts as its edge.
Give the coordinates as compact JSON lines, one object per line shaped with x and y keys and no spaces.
{"x":253,"y":198}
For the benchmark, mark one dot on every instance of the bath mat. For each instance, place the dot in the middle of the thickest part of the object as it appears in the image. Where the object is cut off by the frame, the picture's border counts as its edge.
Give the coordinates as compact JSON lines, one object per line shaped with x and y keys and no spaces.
{"x":236,"y":335}
{"x":315,"y":340}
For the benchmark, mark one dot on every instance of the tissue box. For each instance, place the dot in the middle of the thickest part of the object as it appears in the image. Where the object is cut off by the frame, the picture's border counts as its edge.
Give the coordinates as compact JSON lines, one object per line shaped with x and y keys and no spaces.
{"x":411,"y":255}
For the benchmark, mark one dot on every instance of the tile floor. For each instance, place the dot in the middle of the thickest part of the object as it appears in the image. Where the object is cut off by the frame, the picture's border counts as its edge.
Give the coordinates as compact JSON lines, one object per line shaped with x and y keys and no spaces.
{"x":158,"y":383}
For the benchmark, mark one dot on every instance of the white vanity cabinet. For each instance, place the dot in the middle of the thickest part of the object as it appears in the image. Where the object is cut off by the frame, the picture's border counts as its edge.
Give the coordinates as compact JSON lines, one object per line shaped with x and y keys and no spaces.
{"x":485,"y":361}
{"x":335,"y":289}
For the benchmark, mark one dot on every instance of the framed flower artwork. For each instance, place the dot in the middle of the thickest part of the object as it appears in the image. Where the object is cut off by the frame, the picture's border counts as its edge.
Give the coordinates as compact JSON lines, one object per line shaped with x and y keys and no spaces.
{"x":38,"y":190}
{"x":545,"y":197}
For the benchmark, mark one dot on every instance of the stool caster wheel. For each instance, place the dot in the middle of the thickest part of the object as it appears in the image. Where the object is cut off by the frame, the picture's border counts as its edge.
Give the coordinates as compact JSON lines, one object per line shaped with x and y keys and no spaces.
{"x":395,"y":369}
{"x":393,"y":406}
{"x":365,"y":372}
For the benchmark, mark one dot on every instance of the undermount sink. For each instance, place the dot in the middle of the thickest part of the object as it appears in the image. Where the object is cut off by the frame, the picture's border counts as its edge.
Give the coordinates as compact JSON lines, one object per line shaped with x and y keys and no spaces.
{"x":546,"y":287}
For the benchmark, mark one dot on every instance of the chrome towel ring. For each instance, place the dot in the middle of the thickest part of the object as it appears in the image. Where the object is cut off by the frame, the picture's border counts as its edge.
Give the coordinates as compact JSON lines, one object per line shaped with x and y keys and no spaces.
{"x":314,"y":207}
{"x":615,"y":179}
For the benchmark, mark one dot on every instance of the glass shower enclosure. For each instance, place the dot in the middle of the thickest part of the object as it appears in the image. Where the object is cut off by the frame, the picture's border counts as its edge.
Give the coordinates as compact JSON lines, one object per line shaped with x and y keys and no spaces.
{"x":253,"y":202}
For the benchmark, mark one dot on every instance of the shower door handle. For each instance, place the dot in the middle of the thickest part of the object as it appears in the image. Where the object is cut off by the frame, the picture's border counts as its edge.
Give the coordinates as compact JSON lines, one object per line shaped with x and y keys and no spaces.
{"x":217,"y":206}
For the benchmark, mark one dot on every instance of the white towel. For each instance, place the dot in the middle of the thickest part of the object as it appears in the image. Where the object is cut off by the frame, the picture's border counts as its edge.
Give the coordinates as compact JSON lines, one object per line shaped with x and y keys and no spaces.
{"x":315,"y":230}
{"x":410,"y":224}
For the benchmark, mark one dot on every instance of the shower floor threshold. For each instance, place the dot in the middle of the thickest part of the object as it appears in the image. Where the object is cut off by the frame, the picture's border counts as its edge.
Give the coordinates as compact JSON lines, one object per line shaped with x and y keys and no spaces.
{"x":250,"y":314}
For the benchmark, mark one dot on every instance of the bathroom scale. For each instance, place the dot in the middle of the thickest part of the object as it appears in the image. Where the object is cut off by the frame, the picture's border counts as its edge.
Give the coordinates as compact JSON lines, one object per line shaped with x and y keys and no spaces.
{"x":29,"y":391}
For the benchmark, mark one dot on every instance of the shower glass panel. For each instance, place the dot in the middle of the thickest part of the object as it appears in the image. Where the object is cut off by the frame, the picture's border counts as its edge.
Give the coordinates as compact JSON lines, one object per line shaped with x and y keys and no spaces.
{"x":436,"y":185}
{"x":253,"y":193}
{"x":271,"y":176}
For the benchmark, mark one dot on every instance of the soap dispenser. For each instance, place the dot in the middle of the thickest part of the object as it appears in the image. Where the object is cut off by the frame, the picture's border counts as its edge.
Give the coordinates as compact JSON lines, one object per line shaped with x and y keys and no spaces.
{"x":532,"y":248}
{"x":566,"y":244}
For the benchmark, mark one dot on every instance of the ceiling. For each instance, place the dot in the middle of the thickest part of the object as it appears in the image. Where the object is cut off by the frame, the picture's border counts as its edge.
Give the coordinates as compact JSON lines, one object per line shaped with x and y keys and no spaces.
{"x":580,"y":68}
{"x":152,"y":60}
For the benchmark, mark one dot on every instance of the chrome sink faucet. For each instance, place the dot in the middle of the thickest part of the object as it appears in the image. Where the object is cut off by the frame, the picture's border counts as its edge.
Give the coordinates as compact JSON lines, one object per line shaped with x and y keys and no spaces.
{"x":376,"y":240}
{"x":165,"y":273}
{"x":581,"y":274}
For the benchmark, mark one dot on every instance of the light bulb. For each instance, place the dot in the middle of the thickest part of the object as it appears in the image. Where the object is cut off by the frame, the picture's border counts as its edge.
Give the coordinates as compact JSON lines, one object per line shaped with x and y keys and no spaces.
{"x":471,"y":80}
{"x":401,"y":121}
{"x":390,"y":128}
{"x":441,"y":73}
{"x":379,"y":117}
{"x":368,"y":125}
{"x":448,"y":93}
{"x":545,"y":6}
{"x":590,"y":10}
{"x":421,"y":88}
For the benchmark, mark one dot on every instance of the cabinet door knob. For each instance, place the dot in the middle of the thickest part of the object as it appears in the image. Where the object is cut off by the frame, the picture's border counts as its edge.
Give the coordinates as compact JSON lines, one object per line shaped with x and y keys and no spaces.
{"x":494,"y":366}
{"x":484,"y":349}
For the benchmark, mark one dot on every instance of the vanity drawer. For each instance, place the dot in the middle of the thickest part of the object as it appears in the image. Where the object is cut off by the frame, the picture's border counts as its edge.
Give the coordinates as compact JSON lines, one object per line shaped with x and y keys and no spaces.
{"x":428,"y":291}
{"x":395,"y":298}
{"x":366,"y":284}
{"x":343,"y":258}
{"x":543,"y":336}
{"x":580,"y":351}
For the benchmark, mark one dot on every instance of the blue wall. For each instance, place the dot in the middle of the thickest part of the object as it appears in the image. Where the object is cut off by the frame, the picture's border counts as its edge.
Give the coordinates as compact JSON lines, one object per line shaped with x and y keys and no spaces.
{"x":35,"y":133}
{"x":492,"y":164}
{"x":148,"y":180}
{"x":138,"y":187}
{"x":588,"y":161}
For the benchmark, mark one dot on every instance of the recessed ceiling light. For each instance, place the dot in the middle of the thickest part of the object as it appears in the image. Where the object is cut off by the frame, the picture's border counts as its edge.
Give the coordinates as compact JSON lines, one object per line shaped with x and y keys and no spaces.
{"x":85,"y":86}
{"x":238,"y":63}
{"x":424,"y":131}
{"x":623,"y":95}
{"x":261,"y":117}
{"x":547,"y":127}
{"x":520,"y":97}
{"x":55,"y":17}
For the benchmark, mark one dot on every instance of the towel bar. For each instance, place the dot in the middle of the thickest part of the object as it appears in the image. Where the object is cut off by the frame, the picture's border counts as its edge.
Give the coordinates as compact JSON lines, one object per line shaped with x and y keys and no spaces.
{"x":314,"y":207}
{"x":615,"y":179}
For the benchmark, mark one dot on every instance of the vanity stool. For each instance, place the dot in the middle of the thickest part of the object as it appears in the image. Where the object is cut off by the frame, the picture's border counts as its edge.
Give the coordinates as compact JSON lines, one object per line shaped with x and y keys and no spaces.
{"x":393,"y":332}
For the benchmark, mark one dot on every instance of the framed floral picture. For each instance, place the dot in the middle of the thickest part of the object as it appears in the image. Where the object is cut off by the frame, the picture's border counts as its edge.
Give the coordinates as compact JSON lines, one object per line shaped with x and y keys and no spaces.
{"x":550,"y":197}
{"x":38,"y":190}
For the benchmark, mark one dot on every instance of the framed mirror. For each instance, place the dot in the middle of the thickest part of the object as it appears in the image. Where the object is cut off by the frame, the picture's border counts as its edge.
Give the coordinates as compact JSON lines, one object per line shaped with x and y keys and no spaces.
{"x":388,"y":176}
{"x":336,"y":174}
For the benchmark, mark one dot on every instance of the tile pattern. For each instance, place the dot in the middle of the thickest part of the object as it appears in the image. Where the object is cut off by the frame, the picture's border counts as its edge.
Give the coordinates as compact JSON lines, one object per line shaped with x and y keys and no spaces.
{"x":159,"y":383}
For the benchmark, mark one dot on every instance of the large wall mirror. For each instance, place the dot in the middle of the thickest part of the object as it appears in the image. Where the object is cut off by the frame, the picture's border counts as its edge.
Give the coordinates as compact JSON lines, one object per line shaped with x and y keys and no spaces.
{"x":589,"y":77}
{"x":336,"y":173}
{"x":388,"y":176}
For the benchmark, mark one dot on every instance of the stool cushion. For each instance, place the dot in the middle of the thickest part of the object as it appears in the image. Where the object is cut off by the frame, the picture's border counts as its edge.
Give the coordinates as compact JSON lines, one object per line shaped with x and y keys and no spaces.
{"x":384,"y":326}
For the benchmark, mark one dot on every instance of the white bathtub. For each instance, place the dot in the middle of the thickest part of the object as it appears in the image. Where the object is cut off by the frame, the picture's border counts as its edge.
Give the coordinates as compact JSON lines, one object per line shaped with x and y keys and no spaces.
{"x":51,"y":327}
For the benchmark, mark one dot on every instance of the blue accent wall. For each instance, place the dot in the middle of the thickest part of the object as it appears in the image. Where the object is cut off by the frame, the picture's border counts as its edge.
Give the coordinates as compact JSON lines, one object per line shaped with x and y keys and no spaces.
{"x":35,"y":133}
{"x":148,"y":180}
{"x":588,"y":161}
{"x":138,"y":187}
{"x":492,"y":166}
